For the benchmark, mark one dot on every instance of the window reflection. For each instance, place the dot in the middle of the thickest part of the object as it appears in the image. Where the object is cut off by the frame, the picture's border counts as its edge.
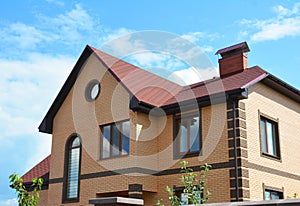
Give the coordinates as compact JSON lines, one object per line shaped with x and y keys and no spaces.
{"x":115,"y":139}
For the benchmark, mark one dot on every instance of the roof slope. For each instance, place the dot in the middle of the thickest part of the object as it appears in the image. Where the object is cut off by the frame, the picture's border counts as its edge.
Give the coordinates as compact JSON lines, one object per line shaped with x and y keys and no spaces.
{"x":150,"y":90}
{"x":215,"y":86}
{"x":145,"y":86}
{"x":40,"y":170}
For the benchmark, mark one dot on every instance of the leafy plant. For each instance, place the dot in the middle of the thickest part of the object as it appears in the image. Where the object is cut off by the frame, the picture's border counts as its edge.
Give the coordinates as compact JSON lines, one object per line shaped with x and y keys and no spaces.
{"x":26,"y":198}
{"x":194,"y":188}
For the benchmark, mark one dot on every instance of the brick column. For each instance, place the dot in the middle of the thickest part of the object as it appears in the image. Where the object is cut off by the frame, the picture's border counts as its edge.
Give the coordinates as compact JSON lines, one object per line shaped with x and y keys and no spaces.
{"x":242,"y":151}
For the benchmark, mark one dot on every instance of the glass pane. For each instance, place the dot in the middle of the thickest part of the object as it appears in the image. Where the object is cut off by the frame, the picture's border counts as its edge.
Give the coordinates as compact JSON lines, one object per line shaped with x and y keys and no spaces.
{"x":267,"y":195}
{"x":76,"y":142}
{"x":183,"y":136}
{"x":115,"y":140}
{"x":95,"y":91}
{"x":194,"y":135}
{"x":263,"y":136}
{"x":274,"y":140}
{"x":125,"y":137}
{"x":184,"y":200}
{"x":271,"y":143}
{"x":198,"y":197}
{"x":275,"y":196}
{"x":73,"y":173}
{"x":106,"y":141}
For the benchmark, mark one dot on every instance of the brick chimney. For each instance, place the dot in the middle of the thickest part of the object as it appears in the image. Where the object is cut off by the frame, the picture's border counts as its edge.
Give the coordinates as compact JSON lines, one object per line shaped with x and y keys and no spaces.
{"x":234,"y":59}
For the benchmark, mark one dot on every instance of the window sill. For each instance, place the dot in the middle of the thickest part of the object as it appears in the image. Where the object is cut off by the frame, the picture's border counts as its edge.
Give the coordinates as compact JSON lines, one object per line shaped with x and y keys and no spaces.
{"x":70,"y":200}
{"x":271,"y":157}
{"x":186,"y":155}
{"x":112,"y":158}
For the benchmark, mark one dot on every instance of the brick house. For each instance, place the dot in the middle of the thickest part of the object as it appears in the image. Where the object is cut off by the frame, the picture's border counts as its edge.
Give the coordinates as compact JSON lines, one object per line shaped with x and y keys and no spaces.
{"x":118,"y":130}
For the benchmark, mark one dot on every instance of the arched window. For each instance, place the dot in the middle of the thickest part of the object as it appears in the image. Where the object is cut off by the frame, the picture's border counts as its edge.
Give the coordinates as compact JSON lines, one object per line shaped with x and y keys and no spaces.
{"x":72,"y":169}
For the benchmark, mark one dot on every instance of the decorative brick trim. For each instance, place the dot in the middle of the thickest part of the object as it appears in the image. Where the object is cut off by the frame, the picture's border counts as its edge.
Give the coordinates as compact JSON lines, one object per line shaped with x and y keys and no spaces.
{"x":220,"y":165}
{"x":135,"y":191}
{"x":243,"y":194}
{"x":242,"y":150}
{"x":135,"y":187}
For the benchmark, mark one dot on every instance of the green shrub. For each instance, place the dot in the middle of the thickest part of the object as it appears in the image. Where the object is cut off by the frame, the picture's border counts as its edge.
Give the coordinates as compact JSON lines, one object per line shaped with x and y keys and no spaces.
{"x":26,"y":198}
{"x":194,"y":188}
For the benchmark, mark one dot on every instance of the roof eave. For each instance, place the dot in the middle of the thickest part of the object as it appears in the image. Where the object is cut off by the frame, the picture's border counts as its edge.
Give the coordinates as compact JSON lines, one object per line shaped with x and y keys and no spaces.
{"x":282,"y":87}
{"x":239,"y":93}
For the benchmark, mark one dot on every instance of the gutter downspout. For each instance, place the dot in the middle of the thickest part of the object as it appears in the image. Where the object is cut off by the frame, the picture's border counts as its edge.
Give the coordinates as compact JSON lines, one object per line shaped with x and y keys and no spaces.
{"x":235,"y":151}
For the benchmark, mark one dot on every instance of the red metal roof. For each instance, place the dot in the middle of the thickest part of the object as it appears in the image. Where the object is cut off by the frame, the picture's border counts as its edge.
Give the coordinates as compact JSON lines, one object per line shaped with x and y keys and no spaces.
{"x":157,"y":91}
{"x":214,"y":86}
{"x":40,"y":170}
{"x":145,"y":86}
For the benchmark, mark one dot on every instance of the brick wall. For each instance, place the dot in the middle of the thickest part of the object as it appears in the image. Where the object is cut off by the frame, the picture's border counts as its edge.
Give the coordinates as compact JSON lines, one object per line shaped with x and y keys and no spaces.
{"x":282,"y":174}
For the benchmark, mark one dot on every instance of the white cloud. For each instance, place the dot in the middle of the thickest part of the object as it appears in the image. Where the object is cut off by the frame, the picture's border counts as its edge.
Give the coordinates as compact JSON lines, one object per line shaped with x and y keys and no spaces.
{"x":193,"y":75}
{"x":283,"y":11}
{"x":121,"y":35}
{"x":59,"y":3}
{"x":28,"y":88}
{"x":23,"y":36}
{"x":73,"y":25}
{"x":196,"y":37}
{"x":285,"y":23}
{"x":9,"y":202}
{"x":207,"y":48}
{"x":277,"y":29}
{"x":42,"y":150}
{"x":73,"y":29}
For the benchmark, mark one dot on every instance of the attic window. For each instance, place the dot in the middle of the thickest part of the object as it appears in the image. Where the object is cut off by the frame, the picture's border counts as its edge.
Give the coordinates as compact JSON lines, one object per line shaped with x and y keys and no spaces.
{"x":92,"y":90}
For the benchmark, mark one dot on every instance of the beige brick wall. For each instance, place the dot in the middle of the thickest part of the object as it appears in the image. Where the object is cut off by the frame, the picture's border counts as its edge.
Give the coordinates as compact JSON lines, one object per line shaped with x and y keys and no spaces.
{"x":269,"y":102}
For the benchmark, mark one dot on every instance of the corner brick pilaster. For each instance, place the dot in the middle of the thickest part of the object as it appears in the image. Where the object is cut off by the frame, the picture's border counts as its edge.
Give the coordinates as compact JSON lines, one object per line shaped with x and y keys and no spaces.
{"x":242,"y":151}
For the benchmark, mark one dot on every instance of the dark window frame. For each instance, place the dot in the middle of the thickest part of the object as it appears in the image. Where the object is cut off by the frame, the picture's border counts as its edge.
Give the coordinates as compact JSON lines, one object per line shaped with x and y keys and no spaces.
{"x":89,"y":88}
{"x":279,"y":191}
{"x":275,"y":128}
{"x":111,"y":140}
{"x":69,"y":147}
{"x":177,"y":154}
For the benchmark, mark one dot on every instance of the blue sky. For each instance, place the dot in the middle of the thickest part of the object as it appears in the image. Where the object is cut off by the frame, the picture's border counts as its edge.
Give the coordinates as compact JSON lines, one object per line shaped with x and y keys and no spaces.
{"x":40,"y":41}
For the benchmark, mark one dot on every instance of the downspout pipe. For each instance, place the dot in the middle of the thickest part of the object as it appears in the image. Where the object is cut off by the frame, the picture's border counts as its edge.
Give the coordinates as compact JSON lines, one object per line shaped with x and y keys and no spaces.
{"x":234,"y":105}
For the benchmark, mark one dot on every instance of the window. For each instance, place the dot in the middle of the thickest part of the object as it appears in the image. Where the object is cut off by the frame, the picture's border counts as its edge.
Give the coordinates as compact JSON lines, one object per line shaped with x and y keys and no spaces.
{"x":269,"y":137}
{"x":72,"y":169}
{"x":115,"y":139}
{"x":273,"y":195}
{"x":188,"y":134}
{"x":92,"y":90}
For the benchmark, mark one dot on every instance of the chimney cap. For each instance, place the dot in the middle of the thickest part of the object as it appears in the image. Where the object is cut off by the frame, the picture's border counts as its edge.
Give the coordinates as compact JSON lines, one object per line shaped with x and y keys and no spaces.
{"x":240,"y":47}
